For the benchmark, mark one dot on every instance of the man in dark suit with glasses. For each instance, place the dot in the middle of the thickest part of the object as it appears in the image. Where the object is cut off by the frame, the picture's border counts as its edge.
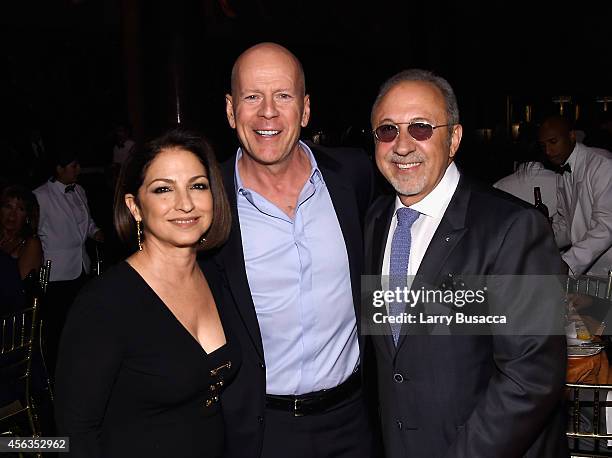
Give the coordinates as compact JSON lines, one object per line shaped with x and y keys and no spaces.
{"x":464,"y":392}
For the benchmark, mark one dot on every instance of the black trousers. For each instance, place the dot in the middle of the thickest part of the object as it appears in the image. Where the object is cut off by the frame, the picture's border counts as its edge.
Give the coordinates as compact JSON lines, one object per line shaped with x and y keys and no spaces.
{"x":54,"y":309}
{"x":342,"y":432}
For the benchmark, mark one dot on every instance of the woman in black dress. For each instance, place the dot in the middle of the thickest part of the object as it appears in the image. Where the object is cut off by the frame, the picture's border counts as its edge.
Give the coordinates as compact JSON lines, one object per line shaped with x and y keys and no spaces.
{"x":144,"y":353}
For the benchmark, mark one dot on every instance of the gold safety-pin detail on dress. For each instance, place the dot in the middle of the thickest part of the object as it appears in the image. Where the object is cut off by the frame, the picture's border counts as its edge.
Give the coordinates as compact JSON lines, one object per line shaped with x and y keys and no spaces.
{"x":227,"y":365}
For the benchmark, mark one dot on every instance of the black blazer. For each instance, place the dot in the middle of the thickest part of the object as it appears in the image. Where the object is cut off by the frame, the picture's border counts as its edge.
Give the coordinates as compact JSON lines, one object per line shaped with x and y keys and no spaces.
{"x":472,"y":395}
{"x":348,"y":176}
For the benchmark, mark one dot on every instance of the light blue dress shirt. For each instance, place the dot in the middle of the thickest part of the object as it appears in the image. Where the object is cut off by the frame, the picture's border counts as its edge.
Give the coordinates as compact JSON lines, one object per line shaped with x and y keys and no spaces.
{"x":298,"y":274}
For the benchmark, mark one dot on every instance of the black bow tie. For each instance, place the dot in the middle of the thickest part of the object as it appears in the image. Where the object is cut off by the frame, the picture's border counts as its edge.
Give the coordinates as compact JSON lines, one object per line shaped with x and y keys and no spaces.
{"x":564,"y":168}
{"x":70,"y":188}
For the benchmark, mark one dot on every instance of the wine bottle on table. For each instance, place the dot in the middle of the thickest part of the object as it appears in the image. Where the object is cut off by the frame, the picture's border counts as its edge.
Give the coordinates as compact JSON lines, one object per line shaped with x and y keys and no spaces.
{"x":538,"y":202}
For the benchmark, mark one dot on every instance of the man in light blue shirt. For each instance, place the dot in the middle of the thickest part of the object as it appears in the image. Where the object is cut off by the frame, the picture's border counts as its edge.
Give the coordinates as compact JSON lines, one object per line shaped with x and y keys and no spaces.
{"x":292,"y":263}
{"x":297,"y":268}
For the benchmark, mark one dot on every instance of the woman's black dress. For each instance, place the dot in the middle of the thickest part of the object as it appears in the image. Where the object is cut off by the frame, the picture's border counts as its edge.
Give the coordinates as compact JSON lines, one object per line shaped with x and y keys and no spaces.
{"x":131,"y":381}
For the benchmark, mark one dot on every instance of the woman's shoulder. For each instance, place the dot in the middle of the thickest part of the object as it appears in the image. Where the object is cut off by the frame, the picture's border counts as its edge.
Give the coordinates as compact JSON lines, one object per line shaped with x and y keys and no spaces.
{"x":106,"y":308}
{"x":210,"y":269}
{"x":32,"y":240}
{"x":31,"y":244}
{"x":117,"y":286}
{"x":115,"y":274}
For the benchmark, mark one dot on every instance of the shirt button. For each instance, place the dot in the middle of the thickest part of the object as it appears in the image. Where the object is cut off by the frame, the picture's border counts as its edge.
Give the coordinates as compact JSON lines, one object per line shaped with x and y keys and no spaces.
{"x":262,"y":366}
{"x":399,"y":424}
{"x":399,"y":378}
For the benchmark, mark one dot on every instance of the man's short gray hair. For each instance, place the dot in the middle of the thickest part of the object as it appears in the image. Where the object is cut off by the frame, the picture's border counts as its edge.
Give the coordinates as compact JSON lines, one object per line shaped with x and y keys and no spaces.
{"x":416,"y":74}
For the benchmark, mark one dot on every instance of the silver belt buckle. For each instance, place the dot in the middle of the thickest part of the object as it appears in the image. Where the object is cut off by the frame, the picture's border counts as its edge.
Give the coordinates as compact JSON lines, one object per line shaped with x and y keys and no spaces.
{"x":296,"y":408}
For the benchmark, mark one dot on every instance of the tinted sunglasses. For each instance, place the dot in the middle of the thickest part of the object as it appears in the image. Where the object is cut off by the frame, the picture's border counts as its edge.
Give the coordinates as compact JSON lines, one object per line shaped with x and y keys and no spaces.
{"x":419,"y":130}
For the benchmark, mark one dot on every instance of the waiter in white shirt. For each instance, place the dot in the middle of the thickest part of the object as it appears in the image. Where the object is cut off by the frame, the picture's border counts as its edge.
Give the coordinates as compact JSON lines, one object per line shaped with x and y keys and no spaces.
{"x":583,"y":225}
{"x":65,"y":224}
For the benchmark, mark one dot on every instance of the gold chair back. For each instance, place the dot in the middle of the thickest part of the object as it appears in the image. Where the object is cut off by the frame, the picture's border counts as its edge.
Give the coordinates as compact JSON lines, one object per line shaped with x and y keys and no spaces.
{"x":18,"y":334}
{"x":43,"y":276}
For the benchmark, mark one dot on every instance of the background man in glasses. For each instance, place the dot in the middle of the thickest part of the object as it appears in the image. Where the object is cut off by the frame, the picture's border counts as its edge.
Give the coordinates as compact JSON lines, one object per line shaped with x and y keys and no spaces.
{"x":456,"y":395}
{"x":293,"y":263}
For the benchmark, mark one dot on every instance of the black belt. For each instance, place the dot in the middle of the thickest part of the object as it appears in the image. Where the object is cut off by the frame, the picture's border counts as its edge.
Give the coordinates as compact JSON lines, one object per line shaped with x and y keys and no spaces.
{"x":316,"y":402}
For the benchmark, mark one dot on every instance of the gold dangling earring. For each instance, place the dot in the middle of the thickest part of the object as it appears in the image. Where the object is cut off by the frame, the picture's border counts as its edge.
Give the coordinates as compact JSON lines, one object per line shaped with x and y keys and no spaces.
{"x":139,"y":235}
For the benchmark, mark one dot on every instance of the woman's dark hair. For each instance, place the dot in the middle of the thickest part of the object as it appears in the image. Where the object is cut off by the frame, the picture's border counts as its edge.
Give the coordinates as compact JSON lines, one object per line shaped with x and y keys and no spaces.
{"x":135,"y":168}
{"x":19,"y":192}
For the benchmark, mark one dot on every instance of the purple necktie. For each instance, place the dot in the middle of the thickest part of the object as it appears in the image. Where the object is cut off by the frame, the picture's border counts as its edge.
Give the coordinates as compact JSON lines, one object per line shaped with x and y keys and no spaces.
{"x":398,"y":268}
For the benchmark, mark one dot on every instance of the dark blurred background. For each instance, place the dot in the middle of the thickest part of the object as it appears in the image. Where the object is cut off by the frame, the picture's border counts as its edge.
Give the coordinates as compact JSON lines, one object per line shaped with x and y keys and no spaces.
{"x":72,"y":71}
{"x":76,"y":68}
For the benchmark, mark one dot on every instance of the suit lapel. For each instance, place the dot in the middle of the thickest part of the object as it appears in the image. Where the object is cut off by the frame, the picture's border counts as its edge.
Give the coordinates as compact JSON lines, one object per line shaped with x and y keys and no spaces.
{"x":343,"y":200}
{"x":446,"y":238}
{"x":231,"y":261}
{"x":380,"y":234}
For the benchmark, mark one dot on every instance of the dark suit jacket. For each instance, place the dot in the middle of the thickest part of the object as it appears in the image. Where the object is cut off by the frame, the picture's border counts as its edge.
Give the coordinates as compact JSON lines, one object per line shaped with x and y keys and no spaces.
{"x":348,"y":175}
{"x":472,"y":395}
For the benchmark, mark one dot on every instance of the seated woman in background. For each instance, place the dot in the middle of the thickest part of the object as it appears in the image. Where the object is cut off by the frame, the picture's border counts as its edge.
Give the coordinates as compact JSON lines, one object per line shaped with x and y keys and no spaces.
{"x":146,"y":349}
{"x":20,"y":247}
{"x":18,"y":228}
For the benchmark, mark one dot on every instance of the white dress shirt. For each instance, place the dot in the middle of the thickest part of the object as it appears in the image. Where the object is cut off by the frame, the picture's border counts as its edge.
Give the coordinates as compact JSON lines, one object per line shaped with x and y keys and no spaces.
{"x":527,"y":176}
{"x":584,"y":218}
{"x":431,"y":209}
{"x":65,"y":223}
